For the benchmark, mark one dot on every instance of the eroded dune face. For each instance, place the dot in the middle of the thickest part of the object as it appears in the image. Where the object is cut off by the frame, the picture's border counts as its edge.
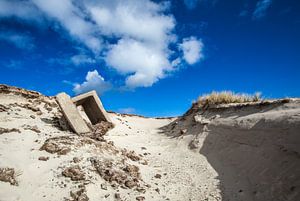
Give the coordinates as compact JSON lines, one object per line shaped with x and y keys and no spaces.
{"x":255,"y":148}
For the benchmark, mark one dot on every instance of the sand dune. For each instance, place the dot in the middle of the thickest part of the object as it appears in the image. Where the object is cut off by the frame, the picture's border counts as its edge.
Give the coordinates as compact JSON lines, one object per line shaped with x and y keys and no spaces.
{"x":230,"y":152}
{"x":253,"y":147}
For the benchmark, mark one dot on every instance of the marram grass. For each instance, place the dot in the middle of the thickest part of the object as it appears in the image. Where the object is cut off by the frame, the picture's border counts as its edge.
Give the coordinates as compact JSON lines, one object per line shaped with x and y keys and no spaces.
{"x":225,"y":97}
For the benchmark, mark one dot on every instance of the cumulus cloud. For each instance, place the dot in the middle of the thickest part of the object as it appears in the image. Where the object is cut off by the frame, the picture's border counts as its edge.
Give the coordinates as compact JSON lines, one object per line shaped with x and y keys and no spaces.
{"x":72,"y":19}
{"x":144,"y":62}
{"x":132,"y":36}
{"x":142,"y":53}
{"x":21,"y":9}
{"x":261,"y":9}
{"x":140,"y":19}
{"x":21,"y":41}
{"x":192,"y":49}
{"x":93,"y":81}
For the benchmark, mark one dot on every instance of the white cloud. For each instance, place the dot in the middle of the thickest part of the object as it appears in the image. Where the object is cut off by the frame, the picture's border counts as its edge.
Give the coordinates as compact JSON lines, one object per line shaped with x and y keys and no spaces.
{"x":192,"y":50}
{"x":139,"y":19}
{"x":93,"y":81}
{"x":21,"y":41}
{"x":128,"y":110}
{"x":145,"y":63}
{"x":21,"y":9}
{"x":142,"y":52}
{"x":261,"y":9}
{"x":132,"y":36}
{"x":72,"y":19}
{"x":81,"y":59}
{"x":75,"y":60}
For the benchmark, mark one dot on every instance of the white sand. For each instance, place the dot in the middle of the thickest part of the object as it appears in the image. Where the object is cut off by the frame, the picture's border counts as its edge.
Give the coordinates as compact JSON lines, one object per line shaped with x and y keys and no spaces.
{"x":185,"y":175}
{"x":254,"y":148}
{"x":243,"y":153}
{"x":188,"y":174}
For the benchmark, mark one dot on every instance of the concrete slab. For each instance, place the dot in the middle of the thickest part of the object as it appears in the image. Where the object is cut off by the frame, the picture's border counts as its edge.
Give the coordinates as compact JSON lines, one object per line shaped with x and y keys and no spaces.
{"x":72,"y":114}
{"x":92,"y":106}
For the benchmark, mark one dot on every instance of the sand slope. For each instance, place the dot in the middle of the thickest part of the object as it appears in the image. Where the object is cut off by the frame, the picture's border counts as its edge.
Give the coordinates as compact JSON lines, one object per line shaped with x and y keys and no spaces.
{"x":167,"y":169}
{"x":185,"y":175}
{"x":228,"y":152}
{"x":254,"y":148}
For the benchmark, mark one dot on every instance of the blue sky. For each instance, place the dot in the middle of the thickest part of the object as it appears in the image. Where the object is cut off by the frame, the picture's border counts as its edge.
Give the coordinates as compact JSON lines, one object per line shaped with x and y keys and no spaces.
{"x":151,"y":57}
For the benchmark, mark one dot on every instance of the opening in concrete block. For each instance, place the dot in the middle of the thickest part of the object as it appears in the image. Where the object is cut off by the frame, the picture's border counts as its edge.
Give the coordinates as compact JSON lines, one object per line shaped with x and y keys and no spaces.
{"x":92,"y":107}
{"x":83,"y":114}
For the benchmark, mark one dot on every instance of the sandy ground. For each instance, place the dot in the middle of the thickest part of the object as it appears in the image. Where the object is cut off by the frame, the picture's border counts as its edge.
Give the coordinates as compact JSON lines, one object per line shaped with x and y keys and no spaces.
{"x":186,"y":175}
{"x":231,"y":153}
{"x":254,"y":148}
{"x":171,"y":171}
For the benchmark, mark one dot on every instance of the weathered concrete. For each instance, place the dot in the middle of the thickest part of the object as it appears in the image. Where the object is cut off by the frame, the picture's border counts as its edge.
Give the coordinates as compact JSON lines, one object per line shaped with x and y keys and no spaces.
{"x":72,"y":114}
{"x":92,"y":107}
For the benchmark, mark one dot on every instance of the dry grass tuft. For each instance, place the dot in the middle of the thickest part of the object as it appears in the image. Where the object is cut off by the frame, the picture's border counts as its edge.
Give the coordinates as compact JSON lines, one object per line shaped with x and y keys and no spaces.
{"x":225,"y":97}
{"x":8,"y":175}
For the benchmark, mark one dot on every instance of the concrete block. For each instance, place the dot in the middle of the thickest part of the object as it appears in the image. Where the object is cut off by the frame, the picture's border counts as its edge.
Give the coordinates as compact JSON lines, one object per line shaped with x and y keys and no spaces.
{"x":92,"y":106}
{"x":72,"y":114}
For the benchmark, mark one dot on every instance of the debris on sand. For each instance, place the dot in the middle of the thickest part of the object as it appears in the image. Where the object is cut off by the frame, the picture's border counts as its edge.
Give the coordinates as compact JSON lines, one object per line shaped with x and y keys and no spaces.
{"x":141,"y":190}
{"x":8,"y":175}
{"x":79,"y":195}
{"x":3,"y":108}
{"x":101,"y":128}
{"x":117,"y":196}
{"x":62,"y":145}
{"x":140,"y":198}
{"x":32,"y":128}
{"x":32,"y":116}
{"x":27,"y":106}
{"x":131,"y":154}
{"x":105,"y":169}
{"x":103,"y":187}
{"x":75,"y":173}
{"x":144,"y":162}
{"x":76,"y":160}
{"x":130,"y":183}
{"x":157,"y":176}
{"x":9,"y":130}
{"x":43,"y":158}
{"x":127,"y":176}
{"x":59,"y":145}
{"x":132,"y":170}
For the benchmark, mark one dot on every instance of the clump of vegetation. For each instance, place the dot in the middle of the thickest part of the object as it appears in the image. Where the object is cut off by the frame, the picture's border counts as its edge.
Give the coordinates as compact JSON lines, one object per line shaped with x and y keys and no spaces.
{"x":225,"y":97}
{"x":8,"y":175}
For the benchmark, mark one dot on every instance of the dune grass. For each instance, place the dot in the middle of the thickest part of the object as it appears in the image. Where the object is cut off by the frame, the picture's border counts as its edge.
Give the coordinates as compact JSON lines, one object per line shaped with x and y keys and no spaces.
{"x":226,"y":97}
